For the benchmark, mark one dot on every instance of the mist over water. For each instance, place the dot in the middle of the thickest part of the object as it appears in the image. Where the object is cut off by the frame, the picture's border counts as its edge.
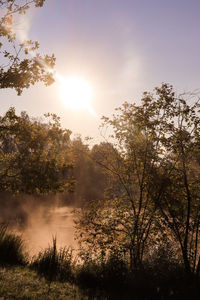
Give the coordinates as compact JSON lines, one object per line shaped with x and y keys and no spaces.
{"x":39,"y":220}
{"x":47,"y":223}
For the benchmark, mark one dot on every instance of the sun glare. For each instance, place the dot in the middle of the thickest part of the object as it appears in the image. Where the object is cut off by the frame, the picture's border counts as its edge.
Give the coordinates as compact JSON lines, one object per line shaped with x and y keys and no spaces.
{"x":76,"y":93}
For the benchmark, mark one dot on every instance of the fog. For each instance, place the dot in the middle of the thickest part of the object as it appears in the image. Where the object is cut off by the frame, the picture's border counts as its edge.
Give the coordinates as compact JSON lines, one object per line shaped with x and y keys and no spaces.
{"x":38,"y":219}
{"x":46,"y":223}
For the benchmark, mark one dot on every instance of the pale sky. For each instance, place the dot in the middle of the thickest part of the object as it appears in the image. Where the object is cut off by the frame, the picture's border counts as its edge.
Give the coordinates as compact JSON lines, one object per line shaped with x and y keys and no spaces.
{"x":120,"y":47}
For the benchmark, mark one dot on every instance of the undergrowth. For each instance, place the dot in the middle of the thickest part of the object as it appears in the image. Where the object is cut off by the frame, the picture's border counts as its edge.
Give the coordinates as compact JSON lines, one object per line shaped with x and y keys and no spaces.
{"x":54,"y":264}
{"x":160,"y":277}
{"x":11,"y":248}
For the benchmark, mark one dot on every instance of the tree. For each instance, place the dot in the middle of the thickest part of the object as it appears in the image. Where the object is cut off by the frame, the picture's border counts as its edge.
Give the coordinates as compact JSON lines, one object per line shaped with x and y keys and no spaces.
{"x":123,"y":222}
{"x":34,"y":155}
{"x":176,"y":128}
{"x":154,"y":179}
{"x":172,"y":127}
{"x":17,"y":70}
{"x":90,"y":180}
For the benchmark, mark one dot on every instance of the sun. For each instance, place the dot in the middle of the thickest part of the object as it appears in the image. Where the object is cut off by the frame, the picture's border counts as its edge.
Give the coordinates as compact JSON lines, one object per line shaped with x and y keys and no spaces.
{"x":76,"y":93}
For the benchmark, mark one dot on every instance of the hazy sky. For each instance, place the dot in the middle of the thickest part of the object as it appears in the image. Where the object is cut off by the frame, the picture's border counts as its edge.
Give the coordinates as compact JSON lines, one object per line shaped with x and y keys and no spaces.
{"x":121,"y":47}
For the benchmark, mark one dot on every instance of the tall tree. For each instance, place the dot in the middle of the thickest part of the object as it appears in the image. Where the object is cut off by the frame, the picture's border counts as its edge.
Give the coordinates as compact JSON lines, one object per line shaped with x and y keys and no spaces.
{"x":123,"y":222}
{"x":154,"y":178}
{"x":172,"y":126}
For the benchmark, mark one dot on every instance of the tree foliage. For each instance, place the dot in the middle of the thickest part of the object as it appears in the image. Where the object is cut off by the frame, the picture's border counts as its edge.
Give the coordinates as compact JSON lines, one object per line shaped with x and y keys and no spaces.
{"x":18,"y":70}
{"x":153,"y":188}
{"x":34,"y":155}
{"x":90,"y":178}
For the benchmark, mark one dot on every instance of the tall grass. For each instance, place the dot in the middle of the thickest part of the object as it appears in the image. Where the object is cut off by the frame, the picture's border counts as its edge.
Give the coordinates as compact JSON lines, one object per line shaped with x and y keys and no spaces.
{"x":11,"y":248}
{"x":54,"y":264}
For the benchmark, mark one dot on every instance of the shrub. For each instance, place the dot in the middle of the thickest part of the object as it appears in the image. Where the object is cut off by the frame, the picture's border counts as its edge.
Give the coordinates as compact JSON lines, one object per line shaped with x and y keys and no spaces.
{"x":54,"y":264}
{"x":107,"y":274}
{"x":11,"y":248}
{"x":88,"y":274}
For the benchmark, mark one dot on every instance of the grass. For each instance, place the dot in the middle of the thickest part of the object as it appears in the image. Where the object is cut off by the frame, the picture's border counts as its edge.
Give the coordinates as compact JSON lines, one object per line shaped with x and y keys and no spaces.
{"x":23,"y":283}
{"x":54,"y":264}
{"x":53,"y":274}
{"x":50,"y":279}
{"x":11,"y":248}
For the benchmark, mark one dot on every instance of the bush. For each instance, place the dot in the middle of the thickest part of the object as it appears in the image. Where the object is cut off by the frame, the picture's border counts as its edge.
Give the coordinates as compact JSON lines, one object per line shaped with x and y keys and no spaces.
{"x":53,"y":264}
{"x":115,"y":270}
{"x":88,"y":274}
{"x":11,"y":248}
{"x":107,"y":274}
{"x":164,"y":264}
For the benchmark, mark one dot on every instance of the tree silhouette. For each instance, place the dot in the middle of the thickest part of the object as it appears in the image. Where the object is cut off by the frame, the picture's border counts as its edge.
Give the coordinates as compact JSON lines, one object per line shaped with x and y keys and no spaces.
{"x":18,"y":69}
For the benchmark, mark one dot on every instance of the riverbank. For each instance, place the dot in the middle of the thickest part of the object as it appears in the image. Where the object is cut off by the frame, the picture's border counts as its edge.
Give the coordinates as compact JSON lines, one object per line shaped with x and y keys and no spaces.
{"x":23,"y":283}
